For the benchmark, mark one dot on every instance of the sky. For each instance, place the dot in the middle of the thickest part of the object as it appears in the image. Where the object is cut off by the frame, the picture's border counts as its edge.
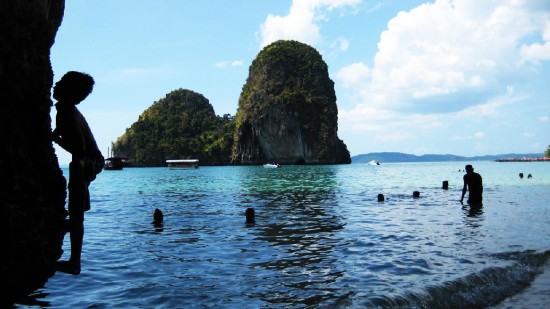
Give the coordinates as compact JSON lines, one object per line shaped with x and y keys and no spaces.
{"x":463,"y":77}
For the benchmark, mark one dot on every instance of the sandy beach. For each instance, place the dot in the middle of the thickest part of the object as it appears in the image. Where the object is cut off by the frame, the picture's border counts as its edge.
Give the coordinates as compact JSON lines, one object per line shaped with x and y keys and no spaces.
{"x":535,"y":296}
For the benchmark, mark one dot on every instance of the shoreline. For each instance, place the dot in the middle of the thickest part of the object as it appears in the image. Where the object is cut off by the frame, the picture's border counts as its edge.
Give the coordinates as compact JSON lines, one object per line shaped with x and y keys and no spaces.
{"x":536,"y":295}
{"x":541,"y":159}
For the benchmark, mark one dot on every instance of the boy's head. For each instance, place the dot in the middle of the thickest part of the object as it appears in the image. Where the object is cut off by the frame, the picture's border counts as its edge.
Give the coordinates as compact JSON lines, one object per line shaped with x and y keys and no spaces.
{"x":73,"y":87}
{"x":469,"y":168}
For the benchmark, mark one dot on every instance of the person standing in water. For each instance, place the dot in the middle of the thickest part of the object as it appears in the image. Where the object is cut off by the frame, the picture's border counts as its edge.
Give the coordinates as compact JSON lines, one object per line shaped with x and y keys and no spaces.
{"x":73,"y":134}
{"x":474,"y":184}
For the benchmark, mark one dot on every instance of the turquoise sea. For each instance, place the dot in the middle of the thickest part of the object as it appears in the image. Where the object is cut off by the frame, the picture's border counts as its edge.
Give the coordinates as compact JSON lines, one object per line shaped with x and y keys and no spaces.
{"x":321,"y":238}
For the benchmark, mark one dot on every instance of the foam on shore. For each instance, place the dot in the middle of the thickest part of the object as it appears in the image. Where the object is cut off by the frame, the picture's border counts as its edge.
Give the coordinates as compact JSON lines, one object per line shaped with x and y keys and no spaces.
{"x":537,"y":295}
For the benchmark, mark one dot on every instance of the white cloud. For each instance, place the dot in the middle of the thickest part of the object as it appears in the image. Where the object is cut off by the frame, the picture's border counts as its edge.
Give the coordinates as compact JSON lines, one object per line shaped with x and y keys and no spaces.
{"x":543,"y":119}
{"x":375,"y":7}
{"x":366,"y":118}
{"x":476,"y":135}
{"x":539,"y":50}
{"x":441,"y":69}
{"x":369,"y":119}
{"x":490,"y":107}
{"x":355,"y":74}
{"x":536,"y":51}
{"x":459,"y":138}
{"x":302,"y":21}
{"x":341,"y":44}
{"x":225,"y":64}
{"x":393,"y":137}
{"x":384,"y":124}
{"x":479,"y":135}
{"x":439,"y":53}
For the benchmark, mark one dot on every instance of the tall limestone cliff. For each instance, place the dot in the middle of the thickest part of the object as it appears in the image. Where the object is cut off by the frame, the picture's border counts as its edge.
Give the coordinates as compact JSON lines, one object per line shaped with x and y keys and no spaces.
{"x":32,"y":187}
{"x":287,"y":110}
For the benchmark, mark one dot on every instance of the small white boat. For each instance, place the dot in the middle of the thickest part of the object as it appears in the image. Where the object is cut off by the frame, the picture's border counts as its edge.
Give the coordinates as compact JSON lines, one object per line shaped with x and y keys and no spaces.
{"x":271,"y":165}
{"x":374,"y":162}
{"x":183,"y":164}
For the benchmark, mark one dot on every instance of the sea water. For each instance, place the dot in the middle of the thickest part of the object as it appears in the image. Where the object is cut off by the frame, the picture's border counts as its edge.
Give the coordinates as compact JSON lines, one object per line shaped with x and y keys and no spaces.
{"x":321,"y":239}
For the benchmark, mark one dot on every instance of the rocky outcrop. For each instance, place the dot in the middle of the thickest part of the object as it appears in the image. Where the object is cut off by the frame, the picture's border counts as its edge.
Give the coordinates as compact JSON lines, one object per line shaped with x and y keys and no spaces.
{"x":32,"y":187}
{"x":287,"y":110}
{"x":182,"y":125}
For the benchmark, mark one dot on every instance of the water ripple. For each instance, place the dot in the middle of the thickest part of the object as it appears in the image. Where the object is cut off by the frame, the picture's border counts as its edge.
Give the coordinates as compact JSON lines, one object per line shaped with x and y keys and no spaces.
{"x":321,"y":238}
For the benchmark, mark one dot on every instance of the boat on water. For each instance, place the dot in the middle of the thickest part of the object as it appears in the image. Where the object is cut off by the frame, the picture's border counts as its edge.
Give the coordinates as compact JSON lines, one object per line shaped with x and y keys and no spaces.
{"x":373,"y":162}
{"x":271,"y":165}
{"x":183,"y":164}
{"x":114,"y":163}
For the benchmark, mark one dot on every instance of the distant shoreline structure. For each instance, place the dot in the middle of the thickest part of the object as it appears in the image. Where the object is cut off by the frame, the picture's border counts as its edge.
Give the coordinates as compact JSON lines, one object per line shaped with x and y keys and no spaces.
{"x":399,"y":157}
{"x":541,"y":159}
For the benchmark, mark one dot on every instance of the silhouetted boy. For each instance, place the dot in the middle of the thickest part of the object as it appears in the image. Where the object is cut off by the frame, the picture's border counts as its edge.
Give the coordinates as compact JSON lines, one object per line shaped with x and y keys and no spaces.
{"x":474,"y":184}
{"x":74,"y":135}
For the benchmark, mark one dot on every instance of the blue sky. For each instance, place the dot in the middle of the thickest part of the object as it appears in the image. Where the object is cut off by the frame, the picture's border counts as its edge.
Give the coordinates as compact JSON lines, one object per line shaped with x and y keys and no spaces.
{"x":462,"y":77}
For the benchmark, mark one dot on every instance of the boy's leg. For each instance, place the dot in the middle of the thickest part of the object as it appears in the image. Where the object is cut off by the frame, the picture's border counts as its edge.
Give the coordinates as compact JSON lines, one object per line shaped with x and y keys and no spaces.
{"x":77,"y":202}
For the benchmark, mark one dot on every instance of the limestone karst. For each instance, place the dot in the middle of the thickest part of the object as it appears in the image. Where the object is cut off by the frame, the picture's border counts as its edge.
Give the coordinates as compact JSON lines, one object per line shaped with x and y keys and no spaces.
{"x":287,"y":110}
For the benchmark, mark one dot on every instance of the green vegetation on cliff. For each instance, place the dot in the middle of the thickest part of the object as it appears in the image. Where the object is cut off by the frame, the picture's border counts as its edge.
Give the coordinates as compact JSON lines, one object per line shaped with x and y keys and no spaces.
{"x":287,"y":113}
{"x":181,"y":125}
{"x":289,"y":95}
{"x":284,"y":70}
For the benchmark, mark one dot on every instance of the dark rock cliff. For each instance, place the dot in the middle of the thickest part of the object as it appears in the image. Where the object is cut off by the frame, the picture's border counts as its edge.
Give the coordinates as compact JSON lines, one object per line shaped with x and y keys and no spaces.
{"x":32,"y":187}
{"x":287,"y":110}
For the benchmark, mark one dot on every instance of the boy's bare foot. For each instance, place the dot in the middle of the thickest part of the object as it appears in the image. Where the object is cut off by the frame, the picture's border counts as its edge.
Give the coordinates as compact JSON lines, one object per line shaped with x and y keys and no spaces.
{"x":68,"y":267}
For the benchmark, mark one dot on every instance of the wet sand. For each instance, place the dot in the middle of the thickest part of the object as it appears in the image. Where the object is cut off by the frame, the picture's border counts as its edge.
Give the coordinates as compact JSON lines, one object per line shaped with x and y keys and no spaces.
{"x":535,"y":296}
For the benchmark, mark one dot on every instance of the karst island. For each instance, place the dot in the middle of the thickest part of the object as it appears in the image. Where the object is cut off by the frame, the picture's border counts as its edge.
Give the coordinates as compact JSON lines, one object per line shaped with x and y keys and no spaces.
{"x":286,"y":114}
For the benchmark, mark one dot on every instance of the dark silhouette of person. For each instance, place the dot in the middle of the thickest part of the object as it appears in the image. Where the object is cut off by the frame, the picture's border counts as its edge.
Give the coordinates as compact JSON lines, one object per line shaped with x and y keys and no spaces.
{"x":529,"y":176}
{"x":250,"y":214}
{"x":473,"y":183}
{"x":73,"y":134}
{"x":521,"y":175}
{"x":158,"y":218}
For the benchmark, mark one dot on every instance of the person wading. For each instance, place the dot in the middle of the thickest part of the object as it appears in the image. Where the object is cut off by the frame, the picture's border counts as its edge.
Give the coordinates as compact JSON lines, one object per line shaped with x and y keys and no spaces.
{"x":473,"y":183}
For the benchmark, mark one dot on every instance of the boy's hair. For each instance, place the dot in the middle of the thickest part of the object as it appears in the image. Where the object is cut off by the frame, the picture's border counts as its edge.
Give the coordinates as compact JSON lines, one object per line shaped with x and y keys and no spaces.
{"x":469,"y":168}
{"x":79,"y":85}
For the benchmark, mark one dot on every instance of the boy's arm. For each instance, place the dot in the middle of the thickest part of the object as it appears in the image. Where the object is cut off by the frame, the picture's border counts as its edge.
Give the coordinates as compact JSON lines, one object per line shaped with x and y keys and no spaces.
{"x":463,"y":191}
{"x":67,"y":133}
{"x":56,"y":137}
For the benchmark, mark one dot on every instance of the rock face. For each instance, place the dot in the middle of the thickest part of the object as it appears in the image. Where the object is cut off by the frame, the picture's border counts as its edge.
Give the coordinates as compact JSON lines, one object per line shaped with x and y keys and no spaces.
{"x":32,"y":187}
{"x":287,"y":110}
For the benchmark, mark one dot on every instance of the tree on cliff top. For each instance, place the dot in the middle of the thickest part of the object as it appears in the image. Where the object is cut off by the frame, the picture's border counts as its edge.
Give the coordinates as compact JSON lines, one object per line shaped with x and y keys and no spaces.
{"x":181,"y":125}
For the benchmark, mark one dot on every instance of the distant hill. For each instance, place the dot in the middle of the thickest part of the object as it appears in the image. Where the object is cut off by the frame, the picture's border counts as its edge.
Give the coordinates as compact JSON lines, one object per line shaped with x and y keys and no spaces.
{"x":395,"y":157}
{"x":182,"y":125}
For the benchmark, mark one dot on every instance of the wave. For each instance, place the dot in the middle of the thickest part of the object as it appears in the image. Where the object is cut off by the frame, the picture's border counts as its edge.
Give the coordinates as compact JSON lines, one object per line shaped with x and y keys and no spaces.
{"x":479,"y":290}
